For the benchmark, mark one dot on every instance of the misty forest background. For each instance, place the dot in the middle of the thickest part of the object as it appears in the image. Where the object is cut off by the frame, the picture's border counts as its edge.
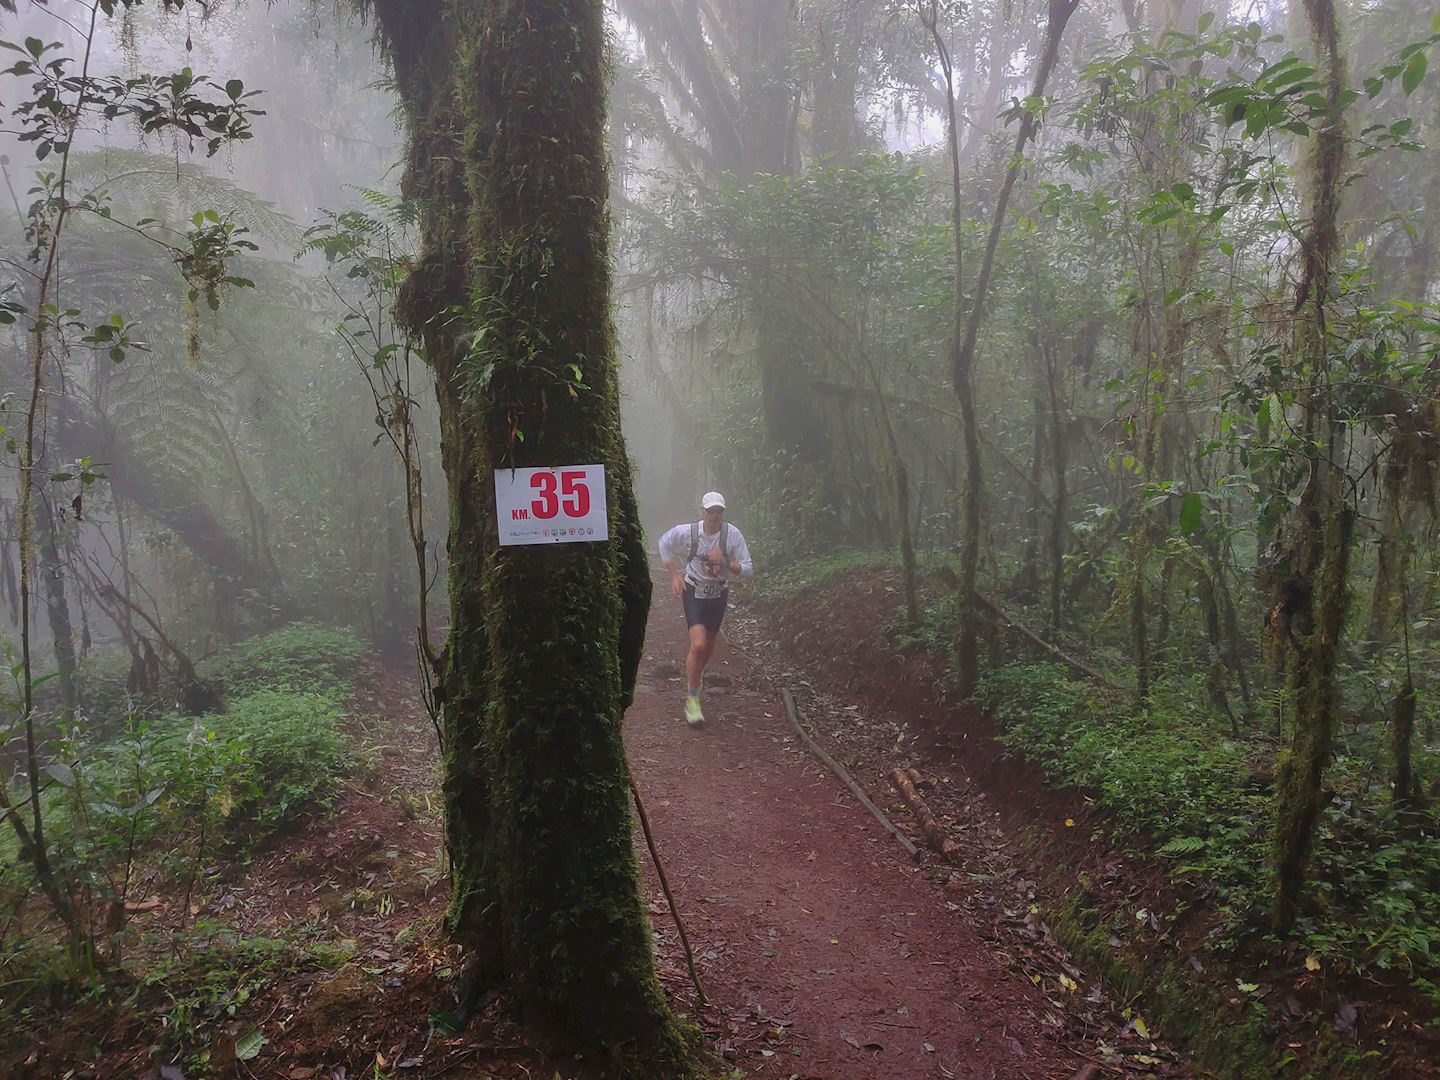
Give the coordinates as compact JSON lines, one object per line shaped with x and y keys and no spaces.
{"x":1110,"y":329}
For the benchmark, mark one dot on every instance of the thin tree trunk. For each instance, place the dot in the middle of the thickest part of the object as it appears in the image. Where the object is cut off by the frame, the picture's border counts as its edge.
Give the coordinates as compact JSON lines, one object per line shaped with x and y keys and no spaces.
{"x":965,"y":332}
{"x":1402,"y":741}
{"x":57,"y":605}
{"x":907,"y":544}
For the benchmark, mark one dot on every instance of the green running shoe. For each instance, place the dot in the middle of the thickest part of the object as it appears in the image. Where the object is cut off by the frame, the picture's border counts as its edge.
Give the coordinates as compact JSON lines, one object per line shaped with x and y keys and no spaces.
{"x":693,"y":716}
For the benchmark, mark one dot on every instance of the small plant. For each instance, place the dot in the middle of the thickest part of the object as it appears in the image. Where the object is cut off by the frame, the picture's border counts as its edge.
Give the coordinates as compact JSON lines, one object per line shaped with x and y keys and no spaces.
{"x":145,"y":811}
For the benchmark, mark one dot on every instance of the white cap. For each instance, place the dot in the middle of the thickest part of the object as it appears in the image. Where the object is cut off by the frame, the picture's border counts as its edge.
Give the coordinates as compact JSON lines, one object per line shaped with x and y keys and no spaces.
{"x":712,"y":500}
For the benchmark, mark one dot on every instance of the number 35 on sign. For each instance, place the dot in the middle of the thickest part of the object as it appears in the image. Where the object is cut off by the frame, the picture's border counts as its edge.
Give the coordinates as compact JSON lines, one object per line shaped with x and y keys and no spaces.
{"x":563,"y":505}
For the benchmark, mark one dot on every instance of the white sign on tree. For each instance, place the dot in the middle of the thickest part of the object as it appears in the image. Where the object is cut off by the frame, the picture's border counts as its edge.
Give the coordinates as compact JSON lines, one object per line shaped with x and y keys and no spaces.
{"x":561,"y":505}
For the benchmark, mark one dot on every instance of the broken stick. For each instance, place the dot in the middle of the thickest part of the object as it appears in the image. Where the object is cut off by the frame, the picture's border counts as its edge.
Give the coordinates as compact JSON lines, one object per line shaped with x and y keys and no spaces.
{"x":700,"y":1000}
{"x":935,"y":834}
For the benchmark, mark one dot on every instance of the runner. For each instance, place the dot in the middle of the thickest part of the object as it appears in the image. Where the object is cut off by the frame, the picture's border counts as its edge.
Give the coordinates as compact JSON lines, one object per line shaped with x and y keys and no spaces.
{"x":701,"y":556}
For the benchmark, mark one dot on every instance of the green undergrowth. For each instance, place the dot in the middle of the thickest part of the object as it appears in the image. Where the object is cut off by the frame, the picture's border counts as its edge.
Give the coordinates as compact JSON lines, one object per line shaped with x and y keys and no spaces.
{"x":215,"y":978}
{"x":790,"y":579}
{"x":1172,"y":774}
{"x":1224,"y":1031}
{"x":143,"y":808}
{"x":303,"y":656}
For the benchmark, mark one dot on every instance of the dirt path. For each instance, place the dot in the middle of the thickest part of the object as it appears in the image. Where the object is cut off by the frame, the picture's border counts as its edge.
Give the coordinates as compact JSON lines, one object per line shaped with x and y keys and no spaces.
{"x":826,"y":954}
{"x":825,"y":951}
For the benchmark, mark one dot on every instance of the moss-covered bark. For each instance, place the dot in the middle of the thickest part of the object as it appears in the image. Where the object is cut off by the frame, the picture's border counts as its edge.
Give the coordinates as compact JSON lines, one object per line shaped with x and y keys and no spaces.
{"x":1322,"y":536}
{"x":505,"y":104}
{"x":1323,"y":559}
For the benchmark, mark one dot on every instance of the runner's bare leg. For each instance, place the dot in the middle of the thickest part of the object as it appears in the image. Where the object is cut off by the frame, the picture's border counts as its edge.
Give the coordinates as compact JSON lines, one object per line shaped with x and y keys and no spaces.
{"x":702,"y":646}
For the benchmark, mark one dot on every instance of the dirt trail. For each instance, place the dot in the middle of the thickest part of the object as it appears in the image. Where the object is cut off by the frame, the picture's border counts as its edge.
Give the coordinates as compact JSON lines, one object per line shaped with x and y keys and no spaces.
{"x":826,"y":953}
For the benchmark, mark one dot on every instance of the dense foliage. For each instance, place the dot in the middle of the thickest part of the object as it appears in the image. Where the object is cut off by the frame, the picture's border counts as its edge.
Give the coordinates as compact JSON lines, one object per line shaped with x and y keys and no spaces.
{"x":1204,"y":380}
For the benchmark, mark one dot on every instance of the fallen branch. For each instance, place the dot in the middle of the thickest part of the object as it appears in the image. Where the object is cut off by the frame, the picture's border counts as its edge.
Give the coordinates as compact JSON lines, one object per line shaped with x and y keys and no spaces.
{"x":935,"y":834}
{"x":1059,"y":654}
{"x":850,"y":782}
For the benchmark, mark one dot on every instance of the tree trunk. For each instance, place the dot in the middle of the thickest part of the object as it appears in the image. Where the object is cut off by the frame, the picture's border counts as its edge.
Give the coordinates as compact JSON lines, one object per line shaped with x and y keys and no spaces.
{"x":1324,"y":528}
{"x":512,"y":289}
{"x":907,"y":544}
{"x":1390,"y":557}
{"x":57,"y":605}
{"x":1402,"y":740}
{"x":965,"y":333}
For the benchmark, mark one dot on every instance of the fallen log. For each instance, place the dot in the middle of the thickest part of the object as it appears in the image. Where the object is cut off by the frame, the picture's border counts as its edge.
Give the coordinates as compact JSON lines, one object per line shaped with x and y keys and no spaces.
{"x":935,"y":834}
{"x":1059,"y":654}
{"x":849,"y":781}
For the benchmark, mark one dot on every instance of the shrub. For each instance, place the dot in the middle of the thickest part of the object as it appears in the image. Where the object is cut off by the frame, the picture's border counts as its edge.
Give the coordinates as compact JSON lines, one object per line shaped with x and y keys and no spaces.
{"x":303,"y":657}
{"x":285,"y":748}
{"x":152,"y":806}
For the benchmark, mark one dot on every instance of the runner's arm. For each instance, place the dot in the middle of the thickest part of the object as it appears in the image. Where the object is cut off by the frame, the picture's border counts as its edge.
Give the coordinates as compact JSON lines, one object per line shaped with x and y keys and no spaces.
{"x":740,"y":557}
{"x":673,"y":545}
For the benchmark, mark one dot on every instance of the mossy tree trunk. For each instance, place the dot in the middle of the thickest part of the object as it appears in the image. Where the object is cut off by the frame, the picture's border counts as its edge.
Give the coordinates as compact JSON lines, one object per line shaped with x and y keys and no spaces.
{"x":1402,"y":741}
{"x":505,"y":105}
{"x":1323,"y":529}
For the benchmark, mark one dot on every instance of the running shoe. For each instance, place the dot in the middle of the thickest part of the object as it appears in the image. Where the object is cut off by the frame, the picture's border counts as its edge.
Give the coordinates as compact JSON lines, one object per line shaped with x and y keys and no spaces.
{"x":693,"y":716}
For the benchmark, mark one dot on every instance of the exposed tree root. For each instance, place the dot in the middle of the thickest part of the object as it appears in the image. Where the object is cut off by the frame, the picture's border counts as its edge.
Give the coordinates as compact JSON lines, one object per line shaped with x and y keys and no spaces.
{"x":849,"y":781}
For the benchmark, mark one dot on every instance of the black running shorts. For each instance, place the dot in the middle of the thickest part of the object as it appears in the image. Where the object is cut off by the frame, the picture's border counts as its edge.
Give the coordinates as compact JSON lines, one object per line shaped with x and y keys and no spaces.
{"x":706,"y":613}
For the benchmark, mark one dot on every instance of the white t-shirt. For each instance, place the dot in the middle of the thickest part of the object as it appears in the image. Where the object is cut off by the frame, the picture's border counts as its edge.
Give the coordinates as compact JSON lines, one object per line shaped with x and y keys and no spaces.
{"x":707,"y":579}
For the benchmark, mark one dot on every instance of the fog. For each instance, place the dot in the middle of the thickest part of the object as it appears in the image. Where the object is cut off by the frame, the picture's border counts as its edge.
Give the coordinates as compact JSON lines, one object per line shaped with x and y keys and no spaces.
{"x":781,"y":197}
{"x":1104,"y":334}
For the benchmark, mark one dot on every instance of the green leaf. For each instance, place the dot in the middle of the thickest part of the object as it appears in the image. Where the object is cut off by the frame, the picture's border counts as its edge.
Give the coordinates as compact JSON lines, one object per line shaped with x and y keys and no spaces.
{"x":61,"y":773}
{"x":445,"y":1023}
{"x":1182,"y":845}
{"x":247,"y":1048}
{"x":1191,"y":510}
{"x":1413,"y":73}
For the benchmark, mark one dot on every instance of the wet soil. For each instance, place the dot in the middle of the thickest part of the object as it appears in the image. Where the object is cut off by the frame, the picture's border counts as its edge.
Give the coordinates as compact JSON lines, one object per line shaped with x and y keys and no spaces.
{"x":805,"y":913}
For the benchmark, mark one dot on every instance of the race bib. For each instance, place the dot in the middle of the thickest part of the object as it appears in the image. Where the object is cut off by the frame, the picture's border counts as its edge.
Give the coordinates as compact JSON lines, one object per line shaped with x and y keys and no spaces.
{"x":710,"y":590}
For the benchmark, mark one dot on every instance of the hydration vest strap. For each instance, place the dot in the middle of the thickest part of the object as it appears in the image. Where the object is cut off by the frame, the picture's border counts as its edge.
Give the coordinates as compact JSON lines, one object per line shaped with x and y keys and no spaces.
{"x":695,"y":542}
